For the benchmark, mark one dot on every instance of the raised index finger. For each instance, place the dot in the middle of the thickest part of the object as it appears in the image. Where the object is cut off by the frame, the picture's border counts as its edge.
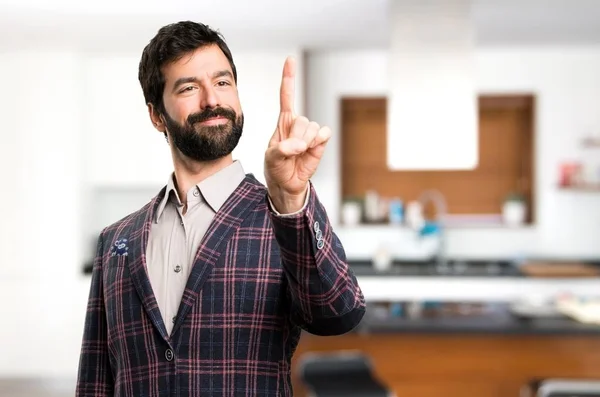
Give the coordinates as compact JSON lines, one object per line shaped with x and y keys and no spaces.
{"x":287,"y":85}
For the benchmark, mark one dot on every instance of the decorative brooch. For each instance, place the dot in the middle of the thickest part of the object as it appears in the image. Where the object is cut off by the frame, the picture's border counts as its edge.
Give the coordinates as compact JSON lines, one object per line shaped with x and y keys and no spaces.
{"x":120,"y":248}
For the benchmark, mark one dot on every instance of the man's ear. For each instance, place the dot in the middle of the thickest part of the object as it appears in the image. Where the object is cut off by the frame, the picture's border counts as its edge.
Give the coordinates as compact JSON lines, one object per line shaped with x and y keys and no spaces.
{"x":156,"y":118}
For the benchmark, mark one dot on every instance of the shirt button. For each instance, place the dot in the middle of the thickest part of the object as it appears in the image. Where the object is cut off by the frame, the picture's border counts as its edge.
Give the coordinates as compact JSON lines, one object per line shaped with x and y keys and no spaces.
{"x":196,"y":193}
{"x":173,"y":319}
{"x":177,"y":268}
{"x":320,"y":244}
{"x":316,"y":226}
{"x":169,"y":355}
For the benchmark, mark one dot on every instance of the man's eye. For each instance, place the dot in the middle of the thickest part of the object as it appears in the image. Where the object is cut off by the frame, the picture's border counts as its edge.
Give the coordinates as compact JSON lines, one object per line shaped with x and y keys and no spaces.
{"x":223,"y":83}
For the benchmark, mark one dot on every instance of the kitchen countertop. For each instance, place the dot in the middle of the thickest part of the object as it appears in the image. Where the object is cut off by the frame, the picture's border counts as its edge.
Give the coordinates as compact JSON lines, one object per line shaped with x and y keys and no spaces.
{"x":500,"y":320}
{"x":471,"y":268}
{"x":478,"y":268}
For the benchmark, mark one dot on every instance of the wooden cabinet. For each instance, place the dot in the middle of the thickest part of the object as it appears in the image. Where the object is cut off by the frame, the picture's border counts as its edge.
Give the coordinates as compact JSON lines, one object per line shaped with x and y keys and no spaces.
{"x":478,"y":365}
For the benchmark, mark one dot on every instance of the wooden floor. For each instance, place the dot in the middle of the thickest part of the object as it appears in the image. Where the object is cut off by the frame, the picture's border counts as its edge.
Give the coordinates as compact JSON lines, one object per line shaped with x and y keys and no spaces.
{"x":36,"y":388}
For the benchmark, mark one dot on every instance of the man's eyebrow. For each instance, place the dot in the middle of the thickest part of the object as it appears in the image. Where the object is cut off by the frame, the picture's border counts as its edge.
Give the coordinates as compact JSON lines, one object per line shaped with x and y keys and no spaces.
{"x":222,"y":73}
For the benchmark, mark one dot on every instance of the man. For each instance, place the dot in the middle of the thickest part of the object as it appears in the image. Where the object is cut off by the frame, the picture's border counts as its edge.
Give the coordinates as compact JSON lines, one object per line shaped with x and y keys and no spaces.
{"x":205,"y":290}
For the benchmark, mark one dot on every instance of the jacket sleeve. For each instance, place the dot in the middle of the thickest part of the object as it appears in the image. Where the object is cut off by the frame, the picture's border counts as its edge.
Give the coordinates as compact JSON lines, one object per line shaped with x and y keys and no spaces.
{"x":325,"y":295}
{"x":94,"y":378}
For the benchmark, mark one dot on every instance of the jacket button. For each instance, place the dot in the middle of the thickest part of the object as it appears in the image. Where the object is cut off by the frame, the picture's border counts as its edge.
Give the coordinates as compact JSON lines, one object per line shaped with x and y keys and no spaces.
{"x":169,"y":355}
{"x":320,"y":244}
{"x":316,"y":226}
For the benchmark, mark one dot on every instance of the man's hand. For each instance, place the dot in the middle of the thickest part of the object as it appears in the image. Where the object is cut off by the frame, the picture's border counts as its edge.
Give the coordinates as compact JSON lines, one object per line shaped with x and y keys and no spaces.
{"x":294,"y":151}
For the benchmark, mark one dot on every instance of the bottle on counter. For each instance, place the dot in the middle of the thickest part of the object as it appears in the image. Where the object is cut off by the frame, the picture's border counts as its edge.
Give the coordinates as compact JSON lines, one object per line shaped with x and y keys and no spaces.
{"x":371,"y":206}
{"x":414,"y":215}
{"x":396,"y":214}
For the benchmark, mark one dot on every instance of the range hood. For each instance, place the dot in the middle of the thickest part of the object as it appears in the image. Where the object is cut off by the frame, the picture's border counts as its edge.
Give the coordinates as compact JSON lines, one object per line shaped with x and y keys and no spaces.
{"x":432,"y":114}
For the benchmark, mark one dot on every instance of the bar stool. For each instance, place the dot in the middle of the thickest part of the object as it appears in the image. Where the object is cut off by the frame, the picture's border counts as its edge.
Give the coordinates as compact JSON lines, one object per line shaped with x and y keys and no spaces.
{"x":343,"y":374}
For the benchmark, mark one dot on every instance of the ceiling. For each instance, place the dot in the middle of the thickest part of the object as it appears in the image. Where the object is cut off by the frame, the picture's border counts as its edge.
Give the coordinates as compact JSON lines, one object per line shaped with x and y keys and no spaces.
{"x":116,"y":25}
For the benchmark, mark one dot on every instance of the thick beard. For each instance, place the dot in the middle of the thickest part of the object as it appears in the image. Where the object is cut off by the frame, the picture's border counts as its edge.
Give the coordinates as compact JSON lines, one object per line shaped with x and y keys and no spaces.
{"x":206,"y":143}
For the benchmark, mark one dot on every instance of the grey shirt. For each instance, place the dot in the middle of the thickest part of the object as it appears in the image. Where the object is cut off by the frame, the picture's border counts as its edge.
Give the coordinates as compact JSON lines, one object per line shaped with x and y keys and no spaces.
{"x":175,"y":236}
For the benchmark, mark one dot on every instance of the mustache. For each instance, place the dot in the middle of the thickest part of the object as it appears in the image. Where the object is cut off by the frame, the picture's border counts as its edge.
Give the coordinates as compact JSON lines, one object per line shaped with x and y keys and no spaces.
{"x":209,"y":113}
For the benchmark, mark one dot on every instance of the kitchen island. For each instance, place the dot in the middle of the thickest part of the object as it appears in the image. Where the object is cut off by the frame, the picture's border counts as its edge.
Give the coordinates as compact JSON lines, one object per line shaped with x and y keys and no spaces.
{"x":484,"y":279}
{"x":493,"y":353}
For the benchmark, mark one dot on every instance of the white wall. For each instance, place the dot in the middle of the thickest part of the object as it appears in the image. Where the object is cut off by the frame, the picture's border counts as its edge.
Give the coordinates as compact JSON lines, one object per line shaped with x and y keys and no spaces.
{"x":566,"y":82}
{"x":40,"y":244}
{"x":73,"y":123}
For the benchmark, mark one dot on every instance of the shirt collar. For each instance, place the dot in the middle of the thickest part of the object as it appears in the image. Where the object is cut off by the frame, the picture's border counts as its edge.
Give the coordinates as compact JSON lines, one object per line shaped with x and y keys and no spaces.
{"x":215,"y":189}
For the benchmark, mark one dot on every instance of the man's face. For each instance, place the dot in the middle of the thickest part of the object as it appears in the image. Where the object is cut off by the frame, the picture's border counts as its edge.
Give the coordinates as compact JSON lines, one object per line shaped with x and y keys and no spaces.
{"x":203,"y":115}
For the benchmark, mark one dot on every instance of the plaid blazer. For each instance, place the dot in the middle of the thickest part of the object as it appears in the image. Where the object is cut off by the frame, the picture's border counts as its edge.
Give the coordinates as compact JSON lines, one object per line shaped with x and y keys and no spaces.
{"x":257,"y":281}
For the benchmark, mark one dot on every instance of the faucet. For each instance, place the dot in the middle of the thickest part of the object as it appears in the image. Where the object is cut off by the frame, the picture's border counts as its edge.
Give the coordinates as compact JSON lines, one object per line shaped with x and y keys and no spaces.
{"x":441,"y":209}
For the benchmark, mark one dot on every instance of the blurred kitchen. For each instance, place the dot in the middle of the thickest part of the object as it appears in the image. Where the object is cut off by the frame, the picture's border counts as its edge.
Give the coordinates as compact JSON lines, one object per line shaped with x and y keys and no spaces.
{"x":463,"y":178}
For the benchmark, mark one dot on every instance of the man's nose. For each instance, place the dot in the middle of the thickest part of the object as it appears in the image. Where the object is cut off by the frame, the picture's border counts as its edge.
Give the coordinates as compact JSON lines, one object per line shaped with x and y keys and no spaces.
{"x":209,"y":98}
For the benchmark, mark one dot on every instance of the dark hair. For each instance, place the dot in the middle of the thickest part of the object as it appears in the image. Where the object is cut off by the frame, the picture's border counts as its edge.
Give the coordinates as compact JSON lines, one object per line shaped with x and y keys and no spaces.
{"x":170,"y":44}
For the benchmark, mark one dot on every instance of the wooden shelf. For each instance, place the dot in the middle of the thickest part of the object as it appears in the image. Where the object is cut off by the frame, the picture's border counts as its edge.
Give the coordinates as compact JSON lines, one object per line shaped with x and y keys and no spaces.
{"x":591,"y":143}
{"x":582,"y":188}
